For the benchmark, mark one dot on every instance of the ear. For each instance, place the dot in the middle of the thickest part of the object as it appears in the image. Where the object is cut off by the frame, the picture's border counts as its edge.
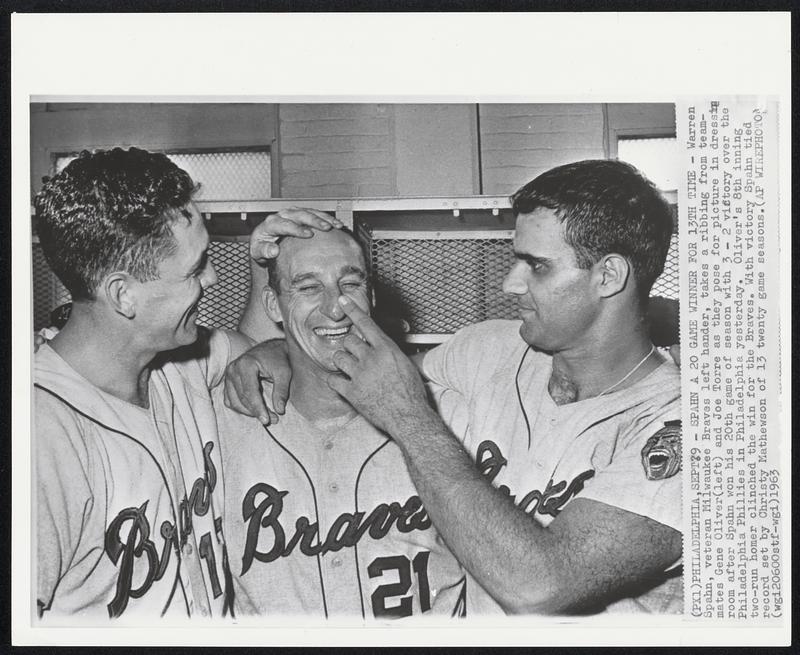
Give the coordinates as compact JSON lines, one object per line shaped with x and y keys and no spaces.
{"x":613,"y":273}
{"x":270,"y":301}
{"x":119,"y":290}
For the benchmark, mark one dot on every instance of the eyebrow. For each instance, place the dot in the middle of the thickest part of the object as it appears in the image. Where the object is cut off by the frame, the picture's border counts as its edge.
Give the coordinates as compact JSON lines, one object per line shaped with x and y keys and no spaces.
{"x":354,"y":270}
{"x":347,"y":270}
{"x":530,"y":259}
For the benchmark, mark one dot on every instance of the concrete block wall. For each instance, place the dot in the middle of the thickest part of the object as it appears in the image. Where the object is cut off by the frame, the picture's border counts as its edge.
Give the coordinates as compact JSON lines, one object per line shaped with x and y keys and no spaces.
{"x":342,"y":150}
{"x":59,"y":128}
{"x":336,"y":150}
{"x":520,"y":141}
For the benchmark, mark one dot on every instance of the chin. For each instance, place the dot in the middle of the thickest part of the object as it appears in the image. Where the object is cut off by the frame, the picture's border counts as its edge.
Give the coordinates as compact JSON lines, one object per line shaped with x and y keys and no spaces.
{"x":533,"y":338}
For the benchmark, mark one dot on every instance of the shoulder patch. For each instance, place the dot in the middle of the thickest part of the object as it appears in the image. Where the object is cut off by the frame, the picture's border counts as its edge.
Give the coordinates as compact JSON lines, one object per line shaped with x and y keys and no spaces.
{"x":661,"y":455}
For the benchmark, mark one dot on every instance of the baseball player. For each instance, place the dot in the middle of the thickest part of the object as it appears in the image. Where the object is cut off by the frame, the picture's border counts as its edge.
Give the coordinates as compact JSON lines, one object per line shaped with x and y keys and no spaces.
{"x":128,"y":471}
{"x":556,"y":483}
{"x":321,"y":516}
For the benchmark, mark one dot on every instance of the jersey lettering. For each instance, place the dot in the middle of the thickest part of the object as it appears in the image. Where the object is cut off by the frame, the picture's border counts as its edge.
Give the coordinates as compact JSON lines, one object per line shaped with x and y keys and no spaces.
{"x":401,"y":564}
{"x":262,"y":507}
{"x":135,"y":546}
{"x":490,"y":462}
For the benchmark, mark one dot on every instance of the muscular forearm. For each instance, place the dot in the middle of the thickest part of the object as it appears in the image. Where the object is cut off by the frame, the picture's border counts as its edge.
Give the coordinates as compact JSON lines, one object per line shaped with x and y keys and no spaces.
{"x":506,"y":551}
{"x":588,"y":552}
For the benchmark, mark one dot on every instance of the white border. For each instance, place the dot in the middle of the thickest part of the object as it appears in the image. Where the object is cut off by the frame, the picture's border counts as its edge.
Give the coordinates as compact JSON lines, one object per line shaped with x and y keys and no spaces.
{"x":607,"y":57}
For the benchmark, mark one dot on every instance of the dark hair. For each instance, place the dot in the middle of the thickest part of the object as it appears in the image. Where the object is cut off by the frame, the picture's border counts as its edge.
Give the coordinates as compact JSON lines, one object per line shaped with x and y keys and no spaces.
{"x":605,"y":207}
{"x":110,"y":210}
{"x":272,"y":263}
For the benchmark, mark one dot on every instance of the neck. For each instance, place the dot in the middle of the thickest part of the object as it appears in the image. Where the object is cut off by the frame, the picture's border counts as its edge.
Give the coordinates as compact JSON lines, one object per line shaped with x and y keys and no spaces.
{"x":314,"y":399}
{"x":601,"y":365}
{"x":103,"y":355}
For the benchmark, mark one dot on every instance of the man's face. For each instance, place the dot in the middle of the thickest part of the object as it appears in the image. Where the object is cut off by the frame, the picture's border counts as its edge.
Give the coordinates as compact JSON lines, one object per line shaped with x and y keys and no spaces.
{"x":312,"y":274}
{"x":556,"y":301}
{"x":169,"y":307}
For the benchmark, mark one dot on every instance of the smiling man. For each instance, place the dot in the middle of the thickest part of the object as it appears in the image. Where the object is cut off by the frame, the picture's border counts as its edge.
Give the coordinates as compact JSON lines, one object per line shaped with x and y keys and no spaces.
{"x":321,"y":516}
{"x":551,"y":469}
{"x":128,"y":488}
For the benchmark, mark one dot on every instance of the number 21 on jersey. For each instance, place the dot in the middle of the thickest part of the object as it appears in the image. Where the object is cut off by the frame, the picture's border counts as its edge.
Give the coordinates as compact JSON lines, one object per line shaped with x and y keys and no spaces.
{"x":385,"y":602}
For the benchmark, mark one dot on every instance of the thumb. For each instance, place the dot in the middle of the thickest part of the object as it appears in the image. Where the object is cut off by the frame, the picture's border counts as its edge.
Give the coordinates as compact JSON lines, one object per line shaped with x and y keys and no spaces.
{"x":262,"y":250}
{"x":338,"y":383}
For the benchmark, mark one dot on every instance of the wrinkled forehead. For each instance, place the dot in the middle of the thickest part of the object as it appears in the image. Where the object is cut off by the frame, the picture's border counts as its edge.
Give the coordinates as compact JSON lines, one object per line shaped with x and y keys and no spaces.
{"x":325,"y":253}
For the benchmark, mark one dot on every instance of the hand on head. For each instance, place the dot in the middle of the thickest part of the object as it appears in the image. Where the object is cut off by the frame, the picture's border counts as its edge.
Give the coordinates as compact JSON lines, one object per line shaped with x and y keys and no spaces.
{"x":295,"y":222}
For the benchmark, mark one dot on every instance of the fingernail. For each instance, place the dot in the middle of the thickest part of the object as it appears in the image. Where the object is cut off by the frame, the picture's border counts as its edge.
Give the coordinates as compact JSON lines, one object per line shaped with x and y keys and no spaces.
{"x":307,"y":232}
{"x":344,"y":301}
{"x":263,"y":420}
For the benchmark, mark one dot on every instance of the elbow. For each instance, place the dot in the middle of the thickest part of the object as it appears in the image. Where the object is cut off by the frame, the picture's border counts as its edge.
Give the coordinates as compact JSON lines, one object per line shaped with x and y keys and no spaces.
{"x":545,"y":596}
{"x":529,"y":606}
{"x":529,"y":599}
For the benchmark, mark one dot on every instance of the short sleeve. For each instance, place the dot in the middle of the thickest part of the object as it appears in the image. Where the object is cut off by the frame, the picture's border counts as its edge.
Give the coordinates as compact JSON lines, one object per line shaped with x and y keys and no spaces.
{"x":452,"y":407}
{"x":218,"y":357}
{"x":632,"y":483}
{"x":63,"y":492}
{"x":453,"y":364}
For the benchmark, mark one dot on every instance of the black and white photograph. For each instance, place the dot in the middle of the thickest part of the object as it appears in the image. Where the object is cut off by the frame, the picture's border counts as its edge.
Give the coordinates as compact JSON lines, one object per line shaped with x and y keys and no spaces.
{"x":366,"y":361}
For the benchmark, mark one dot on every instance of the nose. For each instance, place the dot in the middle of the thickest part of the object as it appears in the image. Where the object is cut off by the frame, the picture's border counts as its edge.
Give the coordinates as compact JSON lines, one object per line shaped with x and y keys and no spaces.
{"x":209,"y":277}
{"x":514,"y":283}
{"x":330,"y":307}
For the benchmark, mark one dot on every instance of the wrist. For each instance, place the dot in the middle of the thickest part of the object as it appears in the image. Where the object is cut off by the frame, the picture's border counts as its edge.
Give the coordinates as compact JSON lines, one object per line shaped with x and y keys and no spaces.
{"x":416,"y":424}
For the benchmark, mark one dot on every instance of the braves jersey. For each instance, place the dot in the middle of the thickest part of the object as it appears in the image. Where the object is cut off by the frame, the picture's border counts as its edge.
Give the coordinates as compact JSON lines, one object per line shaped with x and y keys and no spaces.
{"x":323,"y":520}
{"x":128,"y":500}
{"x":492,"y":390}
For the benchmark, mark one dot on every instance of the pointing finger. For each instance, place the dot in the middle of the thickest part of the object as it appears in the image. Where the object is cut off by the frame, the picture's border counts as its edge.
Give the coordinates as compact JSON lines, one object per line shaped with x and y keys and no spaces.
{"x":371,"y":332}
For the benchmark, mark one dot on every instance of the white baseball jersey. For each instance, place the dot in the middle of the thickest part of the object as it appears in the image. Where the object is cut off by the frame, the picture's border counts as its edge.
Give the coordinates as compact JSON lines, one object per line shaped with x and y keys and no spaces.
{"x":592,"y":448}
{"x":324,"y":521}
{"x":128,"y":500}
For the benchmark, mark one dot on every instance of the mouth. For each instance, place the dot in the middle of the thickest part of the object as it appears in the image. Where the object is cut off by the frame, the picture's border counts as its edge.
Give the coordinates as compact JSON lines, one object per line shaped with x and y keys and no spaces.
{"x":658,"y":462}
{"x":333,"y":335}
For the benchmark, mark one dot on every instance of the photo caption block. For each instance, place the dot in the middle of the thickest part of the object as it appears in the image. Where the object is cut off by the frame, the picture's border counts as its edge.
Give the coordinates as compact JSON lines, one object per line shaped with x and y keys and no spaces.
{"x":730,"y":240}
